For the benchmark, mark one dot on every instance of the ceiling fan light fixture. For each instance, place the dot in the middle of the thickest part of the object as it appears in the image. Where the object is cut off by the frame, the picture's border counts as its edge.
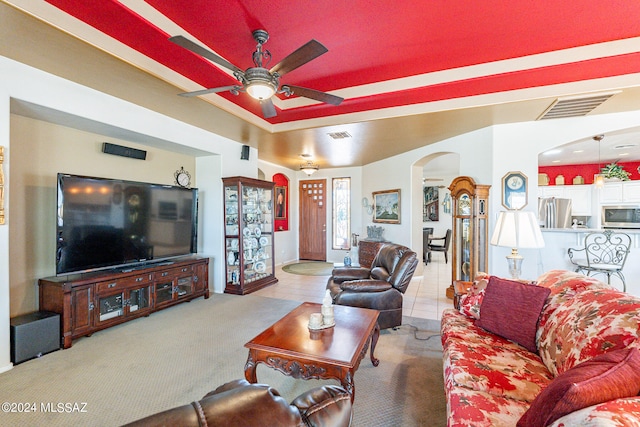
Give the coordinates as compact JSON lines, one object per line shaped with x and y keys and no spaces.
{"x":309,"y":168}
{"x":260,"y":84}
{"x":260,"y":90}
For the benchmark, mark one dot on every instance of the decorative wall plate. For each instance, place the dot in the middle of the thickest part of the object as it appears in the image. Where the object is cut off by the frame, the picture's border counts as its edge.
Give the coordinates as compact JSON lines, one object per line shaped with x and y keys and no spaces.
{"x":260,"y":267}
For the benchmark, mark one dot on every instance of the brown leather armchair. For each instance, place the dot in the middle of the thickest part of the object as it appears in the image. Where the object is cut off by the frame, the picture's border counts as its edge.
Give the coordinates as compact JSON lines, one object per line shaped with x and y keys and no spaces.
{"x":239,"y":403}
{"x":380,"y":287}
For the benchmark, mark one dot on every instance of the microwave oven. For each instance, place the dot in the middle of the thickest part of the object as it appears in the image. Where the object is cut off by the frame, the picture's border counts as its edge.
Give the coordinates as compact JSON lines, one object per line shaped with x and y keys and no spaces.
{"x":621,"y":216}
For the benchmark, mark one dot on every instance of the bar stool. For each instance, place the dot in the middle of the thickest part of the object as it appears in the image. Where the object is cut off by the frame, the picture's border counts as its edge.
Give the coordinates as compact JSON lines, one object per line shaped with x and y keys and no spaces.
{"x":603,"y":253}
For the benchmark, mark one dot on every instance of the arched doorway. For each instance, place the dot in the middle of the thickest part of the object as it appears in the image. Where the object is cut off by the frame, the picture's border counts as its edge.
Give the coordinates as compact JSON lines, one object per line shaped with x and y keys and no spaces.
{"x":431,"y":175}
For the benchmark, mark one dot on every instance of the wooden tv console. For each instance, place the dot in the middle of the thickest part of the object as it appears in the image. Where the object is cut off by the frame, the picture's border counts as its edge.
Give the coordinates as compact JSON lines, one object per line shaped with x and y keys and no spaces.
{"x":90,"y":302}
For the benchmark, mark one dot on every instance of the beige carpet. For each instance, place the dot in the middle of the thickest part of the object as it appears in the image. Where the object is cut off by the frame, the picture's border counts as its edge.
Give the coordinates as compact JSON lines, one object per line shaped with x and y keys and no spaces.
{"x":177,"y":355}
{"x":309,"y":268}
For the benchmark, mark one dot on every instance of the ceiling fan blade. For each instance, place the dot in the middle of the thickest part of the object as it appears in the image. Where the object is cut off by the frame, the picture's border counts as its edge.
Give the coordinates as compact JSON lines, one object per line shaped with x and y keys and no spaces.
{"x":196,"y":48}
{"x":301,"y":56}
{"x":268,"y":109}
{"x":315,"y":94}
{"x":214,"y":90}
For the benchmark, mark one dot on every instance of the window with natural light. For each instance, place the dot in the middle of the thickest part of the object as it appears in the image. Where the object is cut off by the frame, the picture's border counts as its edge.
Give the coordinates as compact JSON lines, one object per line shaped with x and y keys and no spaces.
{"x":341,"y":213}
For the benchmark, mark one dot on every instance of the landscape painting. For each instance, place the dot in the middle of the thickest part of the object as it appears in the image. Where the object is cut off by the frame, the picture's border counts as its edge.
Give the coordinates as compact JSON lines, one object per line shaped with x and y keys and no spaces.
{"x":387,"y":206}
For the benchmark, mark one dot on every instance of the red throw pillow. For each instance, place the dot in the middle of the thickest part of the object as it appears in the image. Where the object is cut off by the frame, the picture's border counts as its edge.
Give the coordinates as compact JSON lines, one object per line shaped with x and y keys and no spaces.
{"x":511,"y":309}
{"x":606,"y":377}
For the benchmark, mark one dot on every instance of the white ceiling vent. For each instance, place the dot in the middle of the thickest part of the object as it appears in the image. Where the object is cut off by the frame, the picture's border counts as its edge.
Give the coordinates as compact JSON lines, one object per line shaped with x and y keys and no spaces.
{"x":339,"y":135}
{"x":575,"y":106}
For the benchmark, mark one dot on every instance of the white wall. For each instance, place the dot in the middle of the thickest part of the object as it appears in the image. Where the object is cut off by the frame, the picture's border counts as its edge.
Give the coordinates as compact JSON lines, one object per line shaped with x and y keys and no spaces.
{"x":405,"y":171}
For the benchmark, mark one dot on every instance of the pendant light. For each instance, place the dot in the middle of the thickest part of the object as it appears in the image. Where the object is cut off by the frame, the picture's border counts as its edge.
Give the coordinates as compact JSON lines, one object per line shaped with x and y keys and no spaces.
{"x":598,"y":179}
{"x":309,"y":168}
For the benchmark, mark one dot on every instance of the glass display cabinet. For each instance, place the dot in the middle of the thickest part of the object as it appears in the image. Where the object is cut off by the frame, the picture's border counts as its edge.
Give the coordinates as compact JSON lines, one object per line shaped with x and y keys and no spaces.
{"x":123,"y":304}
{"x":249,"y":226}
{"x":470,"y":229}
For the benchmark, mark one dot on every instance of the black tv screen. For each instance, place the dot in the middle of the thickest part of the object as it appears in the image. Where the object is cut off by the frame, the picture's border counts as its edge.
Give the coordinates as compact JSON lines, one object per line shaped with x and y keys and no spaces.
{"x":111,"y":223}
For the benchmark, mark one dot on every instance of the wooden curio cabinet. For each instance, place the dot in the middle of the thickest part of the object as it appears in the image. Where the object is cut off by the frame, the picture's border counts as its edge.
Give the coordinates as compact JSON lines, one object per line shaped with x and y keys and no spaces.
{"x":249,"y":227}
{"x":470,"y":229}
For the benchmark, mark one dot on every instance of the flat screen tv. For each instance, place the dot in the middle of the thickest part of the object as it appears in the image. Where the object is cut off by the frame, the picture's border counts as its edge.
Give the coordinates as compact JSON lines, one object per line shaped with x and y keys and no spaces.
{"x":111,"y":223}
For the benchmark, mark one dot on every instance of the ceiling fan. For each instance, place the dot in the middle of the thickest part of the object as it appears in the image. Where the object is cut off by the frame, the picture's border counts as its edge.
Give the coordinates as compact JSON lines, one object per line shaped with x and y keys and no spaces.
{"x":259,"y":82}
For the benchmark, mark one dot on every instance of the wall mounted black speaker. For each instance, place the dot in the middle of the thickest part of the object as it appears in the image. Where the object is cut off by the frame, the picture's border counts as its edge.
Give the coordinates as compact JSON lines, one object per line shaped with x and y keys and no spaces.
{"x":33,"y":335}
{"x":119,"y":150}
{"x":245,"y":153}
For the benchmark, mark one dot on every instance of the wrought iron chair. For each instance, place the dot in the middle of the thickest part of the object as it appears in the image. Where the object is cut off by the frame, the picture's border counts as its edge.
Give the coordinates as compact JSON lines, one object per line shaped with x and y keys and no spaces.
{"x":603,"y":253}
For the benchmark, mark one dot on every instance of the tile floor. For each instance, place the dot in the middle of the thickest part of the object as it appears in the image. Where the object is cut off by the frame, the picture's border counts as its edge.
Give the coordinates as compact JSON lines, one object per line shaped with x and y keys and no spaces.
{"x":425,"y":297}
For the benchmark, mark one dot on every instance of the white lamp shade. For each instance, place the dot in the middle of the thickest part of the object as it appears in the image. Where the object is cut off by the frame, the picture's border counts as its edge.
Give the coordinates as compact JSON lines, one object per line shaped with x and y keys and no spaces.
{"x":517,"y":229}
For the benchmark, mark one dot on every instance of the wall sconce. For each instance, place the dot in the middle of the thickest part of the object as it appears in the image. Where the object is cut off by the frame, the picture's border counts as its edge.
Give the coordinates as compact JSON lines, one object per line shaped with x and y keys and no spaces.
{"x":367,"y":206}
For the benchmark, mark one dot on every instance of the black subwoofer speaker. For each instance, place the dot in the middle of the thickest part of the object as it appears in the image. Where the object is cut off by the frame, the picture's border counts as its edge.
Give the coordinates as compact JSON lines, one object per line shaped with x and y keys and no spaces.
{"x":34,"y":334}
{"x":121,"y":150}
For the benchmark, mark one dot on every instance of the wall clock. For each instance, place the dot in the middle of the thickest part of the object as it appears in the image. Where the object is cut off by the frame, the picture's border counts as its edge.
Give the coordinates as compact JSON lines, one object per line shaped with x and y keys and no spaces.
{"x":514,"y":190}
{"x":183,"y":178}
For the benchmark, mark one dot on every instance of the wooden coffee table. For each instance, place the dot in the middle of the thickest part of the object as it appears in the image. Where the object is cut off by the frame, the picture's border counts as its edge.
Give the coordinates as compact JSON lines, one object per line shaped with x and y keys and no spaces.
{"x":334,"y":353}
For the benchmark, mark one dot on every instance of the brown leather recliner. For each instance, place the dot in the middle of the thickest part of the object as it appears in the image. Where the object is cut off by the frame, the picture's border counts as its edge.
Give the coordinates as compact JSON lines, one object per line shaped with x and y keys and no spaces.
{"x":241,"y":404}
{"x":380,"y":287}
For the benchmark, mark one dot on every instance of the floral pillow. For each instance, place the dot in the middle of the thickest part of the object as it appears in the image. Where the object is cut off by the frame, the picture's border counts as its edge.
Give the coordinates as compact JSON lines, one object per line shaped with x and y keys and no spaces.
{"x":471,"y":302}
{"x":609,"y":376}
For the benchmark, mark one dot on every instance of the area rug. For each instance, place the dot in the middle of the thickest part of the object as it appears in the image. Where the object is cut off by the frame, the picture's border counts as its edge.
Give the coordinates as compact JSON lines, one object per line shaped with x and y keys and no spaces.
{"x":177,"y":355}
{"x":310,"y":268}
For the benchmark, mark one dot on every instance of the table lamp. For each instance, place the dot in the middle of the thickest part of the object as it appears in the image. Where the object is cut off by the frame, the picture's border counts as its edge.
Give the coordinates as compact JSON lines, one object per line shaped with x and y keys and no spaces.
{"x":517,"y":229}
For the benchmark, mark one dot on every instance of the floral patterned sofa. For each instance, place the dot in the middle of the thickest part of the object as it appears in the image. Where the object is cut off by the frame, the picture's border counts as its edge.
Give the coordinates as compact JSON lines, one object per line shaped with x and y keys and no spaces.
{"x":562,"y":352}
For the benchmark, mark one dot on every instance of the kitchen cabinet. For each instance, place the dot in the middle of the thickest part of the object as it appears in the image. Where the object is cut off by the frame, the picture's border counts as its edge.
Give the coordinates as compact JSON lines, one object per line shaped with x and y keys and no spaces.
{"x":580,"y":195}
{"x":631,"y":191}
{"x":551,"y":191}
{"x":620,"y":192}
{"x":611,"y":192}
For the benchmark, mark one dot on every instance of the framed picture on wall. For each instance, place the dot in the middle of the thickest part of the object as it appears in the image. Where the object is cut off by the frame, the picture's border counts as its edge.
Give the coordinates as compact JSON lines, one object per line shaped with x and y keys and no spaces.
{"x":386,"y":206}
{"x":281,"y":202}
{"x":430,"y":204}
{"x":514,"y":190}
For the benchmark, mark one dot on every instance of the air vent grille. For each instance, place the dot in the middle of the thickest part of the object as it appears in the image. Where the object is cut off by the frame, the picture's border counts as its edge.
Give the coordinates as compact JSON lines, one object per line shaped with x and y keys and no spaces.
{"x":339,"y":135}
{"x":574,"y":106}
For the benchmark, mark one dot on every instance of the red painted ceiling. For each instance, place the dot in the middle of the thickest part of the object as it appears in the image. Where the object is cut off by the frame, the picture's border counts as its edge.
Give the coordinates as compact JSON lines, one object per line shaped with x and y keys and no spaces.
{"x":372,"y":41}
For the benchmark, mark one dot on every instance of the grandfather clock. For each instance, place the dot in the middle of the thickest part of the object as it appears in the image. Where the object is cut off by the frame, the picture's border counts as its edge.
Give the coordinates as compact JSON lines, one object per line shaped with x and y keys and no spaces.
{"x":470,"y":229}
